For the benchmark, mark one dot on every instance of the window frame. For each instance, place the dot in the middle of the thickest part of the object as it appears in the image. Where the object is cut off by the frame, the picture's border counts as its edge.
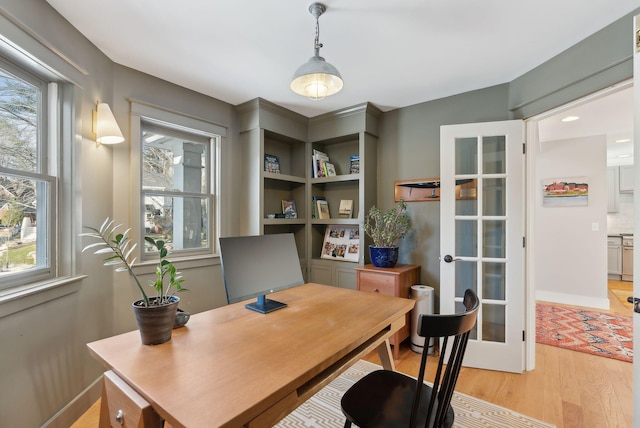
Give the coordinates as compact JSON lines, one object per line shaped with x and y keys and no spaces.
{"x":155,"y":116}
{"x":47,"y":168}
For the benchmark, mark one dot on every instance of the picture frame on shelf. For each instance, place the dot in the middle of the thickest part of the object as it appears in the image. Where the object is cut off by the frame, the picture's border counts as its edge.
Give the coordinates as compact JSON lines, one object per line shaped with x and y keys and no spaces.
{"x":271,"y":163}
{"x":323,"y":209}
{"x":341,"y":242}
{"x":289,"y":209}
{"x":346,"y":208}
{"x":354,"y":164}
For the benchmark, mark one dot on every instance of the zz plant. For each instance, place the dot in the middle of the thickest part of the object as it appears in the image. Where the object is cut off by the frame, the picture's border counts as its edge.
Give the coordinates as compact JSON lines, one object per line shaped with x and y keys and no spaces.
{"x":119,"y":248}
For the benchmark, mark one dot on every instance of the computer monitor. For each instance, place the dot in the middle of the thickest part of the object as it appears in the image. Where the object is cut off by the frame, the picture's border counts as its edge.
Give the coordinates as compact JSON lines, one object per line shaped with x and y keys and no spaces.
{"x":254,"y":266}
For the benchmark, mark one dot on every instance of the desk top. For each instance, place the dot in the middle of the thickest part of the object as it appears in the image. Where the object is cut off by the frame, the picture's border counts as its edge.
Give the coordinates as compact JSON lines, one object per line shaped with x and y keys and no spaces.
{"x":229,"y":365}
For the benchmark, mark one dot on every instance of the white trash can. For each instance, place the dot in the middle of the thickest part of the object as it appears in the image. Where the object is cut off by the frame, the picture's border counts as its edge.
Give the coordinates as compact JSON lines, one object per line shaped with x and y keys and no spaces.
{"x":423,"y":295}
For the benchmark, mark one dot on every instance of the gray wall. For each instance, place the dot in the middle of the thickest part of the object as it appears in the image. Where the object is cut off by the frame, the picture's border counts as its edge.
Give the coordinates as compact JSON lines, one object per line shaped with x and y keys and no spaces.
{"x":409,"y":148}
{"x":46,"y":371}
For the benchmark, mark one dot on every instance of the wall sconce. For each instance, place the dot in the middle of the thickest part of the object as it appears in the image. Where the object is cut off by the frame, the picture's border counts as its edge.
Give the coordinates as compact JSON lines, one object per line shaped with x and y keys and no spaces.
{"x":105,"y":126}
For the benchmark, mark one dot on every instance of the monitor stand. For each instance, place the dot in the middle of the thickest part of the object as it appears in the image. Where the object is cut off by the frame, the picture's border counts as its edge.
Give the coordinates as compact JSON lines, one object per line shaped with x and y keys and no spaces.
{"x":264,"y":305}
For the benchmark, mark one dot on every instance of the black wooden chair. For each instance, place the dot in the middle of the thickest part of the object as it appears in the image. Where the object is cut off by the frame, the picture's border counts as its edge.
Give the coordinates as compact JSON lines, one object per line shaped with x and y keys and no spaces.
{"x":385,"y":398}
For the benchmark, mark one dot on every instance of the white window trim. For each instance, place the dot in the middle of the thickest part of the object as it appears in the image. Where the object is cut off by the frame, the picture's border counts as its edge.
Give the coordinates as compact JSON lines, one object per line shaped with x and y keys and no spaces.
{"x":142,"y":111}
{"x":58,"y":278}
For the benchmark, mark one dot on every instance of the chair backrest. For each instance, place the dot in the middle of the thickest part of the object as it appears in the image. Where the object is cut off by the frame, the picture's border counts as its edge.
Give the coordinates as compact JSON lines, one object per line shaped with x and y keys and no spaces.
{"x":455,"y":330}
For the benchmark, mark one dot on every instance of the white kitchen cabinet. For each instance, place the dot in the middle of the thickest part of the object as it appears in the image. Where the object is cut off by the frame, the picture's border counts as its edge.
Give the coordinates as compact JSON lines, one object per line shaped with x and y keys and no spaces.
{"x":626,"y":179}
{"x":613,"y":198}
{"x":614,"y":257}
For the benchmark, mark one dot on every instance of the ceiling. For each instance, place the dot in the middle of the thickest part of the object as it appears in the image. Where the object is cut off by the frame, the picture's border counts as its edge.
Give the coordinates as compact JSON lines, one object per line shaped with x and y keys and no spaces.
{"x":390,"y":53}
{"x":610,"y":115}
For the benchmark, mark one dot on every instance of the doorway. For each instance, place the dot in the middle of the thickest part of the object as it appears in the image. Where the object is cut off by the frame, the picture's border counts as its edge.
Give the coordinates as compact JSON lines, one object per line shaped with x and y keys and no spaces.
{"x":600,"y":139}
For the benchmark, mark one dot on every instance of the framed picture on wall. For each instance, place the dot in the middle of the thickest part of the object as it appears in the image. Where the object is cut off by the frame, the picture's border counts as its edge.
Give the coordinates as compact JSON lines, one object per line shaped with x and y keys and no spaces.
{"x":565,"y":192}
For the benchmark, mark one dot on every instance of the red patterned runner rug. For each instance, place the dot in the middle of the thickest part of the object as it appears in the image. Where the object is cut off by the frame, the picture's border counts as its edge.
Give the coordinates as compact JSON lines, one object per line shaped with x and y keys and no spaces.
{"x":597,"y":333}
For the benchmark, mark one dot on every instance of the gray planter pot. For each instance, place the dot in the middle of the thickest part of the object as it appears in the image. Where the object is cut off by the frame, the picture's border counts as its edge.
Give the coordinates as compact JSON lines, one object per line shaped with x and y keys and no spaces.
{"x":156,"y":322}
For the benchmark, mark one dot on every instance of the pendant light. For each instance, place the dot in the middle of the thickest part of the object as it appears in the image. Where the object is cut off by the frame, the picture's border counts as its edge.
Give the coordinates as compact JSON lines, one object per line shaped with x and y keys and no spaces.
{"x":316,"y":78}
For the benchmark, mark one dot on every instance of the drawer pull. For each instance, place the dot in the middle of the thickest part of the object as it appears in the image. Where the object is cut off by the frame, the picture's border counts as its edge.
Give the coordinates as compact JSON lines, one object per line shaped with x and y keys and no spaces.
{"x":375,"y":290}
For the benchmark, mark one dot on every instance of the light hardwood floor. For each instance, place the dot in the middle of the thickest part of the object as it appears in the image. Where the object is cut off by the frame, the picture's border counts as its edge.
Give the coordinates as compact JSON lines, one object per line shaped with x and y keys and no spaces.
{"x":569,"y":389}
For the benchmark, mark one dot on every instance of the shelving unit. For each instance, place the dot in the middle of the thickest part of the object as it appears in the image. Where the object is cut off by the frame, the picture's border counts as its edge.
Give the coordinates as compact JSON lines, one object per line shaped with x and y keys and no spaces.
{"x":342,"y":134}
{"x":266,"y":128}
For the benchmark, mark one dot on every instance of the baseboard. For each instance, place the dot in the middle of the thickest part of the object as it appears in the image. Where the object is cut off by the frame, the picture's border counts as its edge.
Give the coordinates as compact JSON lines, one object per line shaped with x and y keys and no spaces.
{"x":76,"y":407}
{"x":573,"y":299}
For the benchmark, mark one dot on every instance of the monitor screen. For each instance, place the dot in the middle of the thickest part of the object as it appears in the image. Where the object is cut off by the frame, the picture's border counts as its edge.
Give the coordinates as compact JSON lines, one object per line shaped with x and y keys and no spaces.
{"x":254,"y":266}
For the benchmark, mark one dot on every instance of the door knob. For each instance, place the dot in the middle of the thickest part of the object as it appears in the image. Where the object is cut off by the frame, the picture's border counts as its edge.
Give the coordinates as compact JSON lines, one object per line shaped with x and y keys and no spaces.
{"x":449,"y":259}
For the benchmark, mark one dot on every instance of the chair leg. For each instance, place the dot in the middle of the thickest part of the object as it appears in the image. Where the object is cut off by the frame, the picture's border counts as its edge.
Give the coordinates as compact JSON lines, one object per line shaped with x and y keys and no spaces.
{"x":347,"y":424}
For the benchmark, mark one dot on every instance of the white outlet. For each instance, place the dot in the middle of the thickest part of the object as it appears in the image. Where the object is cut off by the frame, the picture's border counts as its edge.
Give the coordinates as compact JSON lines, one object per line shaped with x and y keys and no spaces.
{"x":595,"y":227}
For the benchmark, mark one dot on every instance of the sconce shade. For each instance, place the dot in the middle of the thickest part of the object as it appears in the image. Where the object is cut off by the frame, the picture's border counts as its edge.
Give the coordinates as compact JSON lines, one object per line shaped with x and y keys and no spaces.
{"x":106,"y":127}
{"x":316,"y":79}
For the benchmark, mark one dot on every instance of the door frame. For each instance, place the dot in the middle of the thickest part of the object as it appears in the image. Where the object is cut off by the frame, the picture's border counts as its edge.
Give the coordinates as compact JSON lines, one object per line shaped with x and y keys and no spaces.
{"x":531,"y":137}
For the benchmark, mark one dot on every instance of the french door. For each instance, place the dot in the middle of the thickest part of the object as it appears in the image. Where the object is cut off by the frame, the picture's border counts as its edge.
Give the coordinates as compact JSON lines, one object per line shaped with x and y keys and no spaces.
{"x":482,"y":237}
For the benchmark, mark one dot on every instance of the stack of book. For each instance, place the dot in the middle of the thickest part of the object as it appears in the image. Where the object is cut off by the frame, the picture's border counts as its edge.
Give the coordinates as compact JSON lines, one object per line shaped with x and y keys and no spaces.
{"x":321,"y":166}
{"x":314,"y":205}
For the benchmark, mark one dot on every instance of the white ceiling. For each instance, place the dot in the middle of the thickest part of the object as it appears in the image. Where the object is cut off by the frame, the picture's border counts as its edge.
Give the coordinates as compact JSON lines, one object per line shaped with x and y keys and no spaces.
{"x":610,"y":115}
{"x":391,"y":53}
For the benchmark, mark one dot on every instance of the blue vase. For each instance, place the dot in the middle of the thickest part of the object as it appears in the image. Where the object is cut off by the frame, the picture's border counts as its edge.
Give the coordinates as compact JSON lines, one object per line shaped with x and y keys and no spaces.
{"x":383,"y":257}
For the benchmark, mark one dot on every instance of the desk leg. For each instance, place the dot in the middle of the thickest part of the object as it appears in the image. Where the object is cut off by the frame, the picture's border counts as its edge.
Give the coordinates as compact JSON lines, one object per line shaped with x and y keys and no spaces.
{"x":384,"y":353}
{"x":104,"y":408}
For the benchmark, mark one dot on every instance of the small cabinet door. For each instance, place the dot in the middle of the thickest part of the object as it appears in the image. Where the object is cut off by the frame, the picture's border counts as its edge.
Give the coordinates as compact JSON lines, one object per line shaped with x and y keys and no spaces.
{"x":612,"y":189}
{"x":626,"y":179}
{"x":614,"y":257}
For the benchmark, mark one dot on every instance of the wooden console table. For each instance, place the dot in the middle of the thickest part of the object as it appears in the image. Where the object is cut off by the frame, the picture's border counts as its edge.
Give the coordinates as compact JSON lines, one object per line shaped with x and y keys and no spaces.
{"x":395,"y":281}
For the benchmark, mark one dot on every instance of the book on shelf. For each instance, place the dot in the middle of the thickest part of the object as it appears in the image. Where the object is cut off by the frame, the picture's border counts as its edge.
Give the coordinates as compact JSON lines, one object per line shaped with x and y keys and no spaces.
{"x":354,"y":164}
{"x":329,"y":169}
{"x":289,"y":209}
{"x":341,"y":243}
{"x":271,"y":163}
{"x":319,"y":158}
{"x":314,"y":205}
{"x":323,"y":209}
{"x":346,"y":208}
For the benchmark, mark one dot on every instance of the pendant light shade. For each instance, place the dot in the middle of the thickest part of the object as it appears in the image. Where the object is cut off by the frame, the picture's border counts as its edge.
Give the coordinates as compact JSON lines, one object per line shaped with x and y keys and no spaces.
{"x":316,"y":78}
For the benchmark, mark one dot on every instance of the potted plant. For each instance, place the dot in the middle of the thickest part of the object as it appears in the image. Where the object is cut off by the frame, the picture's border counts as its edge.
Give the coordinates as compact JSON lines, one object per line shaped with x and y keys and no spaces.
{"x":386,"y":228}
{"x":156,"y":315}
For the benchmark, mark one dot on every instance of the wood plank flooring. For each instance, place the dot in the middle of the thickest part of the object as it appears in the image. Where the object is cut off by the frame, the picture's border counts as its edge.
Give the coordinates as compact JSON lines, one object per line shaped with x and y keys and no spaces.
{"x":569,"y":389}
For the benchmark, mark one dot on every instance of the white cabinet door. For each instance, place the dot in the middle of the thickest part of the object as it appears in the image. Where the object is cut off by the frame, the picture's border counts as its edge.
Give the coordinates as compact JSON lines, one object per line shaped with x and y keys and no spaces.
{"x":612,"y":189}
{"x":614,"y":257}
{"x":626,"y":179}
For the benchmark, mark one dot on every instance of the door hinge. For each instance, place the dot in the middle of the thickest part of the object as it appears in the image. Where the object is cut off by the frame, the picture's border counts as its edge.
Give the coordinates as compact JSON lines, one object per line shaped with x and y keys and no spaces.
{"x":523,"y":336}
{"x":524,"y":243}
{"x":524,"y":149}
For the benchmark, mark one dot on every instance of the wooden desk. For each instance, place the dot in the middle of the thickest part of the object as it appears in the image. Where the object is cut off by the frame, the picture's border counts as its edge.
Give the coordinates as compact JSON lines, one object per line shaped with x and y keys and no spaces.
{"x":235,"y":367}
{"x":395,"y":281}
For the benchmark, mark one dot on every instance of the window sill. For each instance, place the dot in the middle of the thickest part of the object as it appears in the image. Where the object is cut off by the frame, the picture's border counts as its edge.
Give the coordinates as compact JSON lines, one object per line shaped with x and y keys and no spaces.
{"x":20,"y":298}
{"x":182,"y":263}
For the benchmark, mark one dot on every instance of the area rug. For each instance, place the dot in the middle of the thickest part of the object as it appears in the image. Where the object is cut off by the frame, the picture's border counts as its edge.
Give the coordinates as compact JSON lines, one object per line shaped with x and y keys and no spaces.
{"x":597,"y":333}
{"x":323,"y":409}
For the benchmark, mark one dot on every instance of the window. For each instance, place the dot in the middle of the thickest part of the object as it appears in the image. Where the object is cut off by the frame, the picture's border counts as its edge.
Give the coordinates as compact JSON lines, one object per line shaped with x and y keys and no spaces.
{"x":27,"y":178}
{"x":177,"y":183}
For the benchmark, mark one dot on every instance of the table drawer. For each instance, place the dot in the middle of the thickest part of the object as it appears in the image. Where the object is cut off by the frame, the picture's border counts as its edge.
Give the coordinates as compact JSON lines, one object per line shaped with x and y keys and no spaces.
{"x":377,"y":284}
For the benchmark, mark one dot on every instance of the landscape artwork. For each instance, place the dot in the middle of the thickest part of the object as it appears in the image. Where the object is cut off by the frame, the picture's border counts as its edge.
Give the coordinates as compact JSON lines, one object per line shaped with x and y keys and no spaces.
{"x":565,"y":192}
